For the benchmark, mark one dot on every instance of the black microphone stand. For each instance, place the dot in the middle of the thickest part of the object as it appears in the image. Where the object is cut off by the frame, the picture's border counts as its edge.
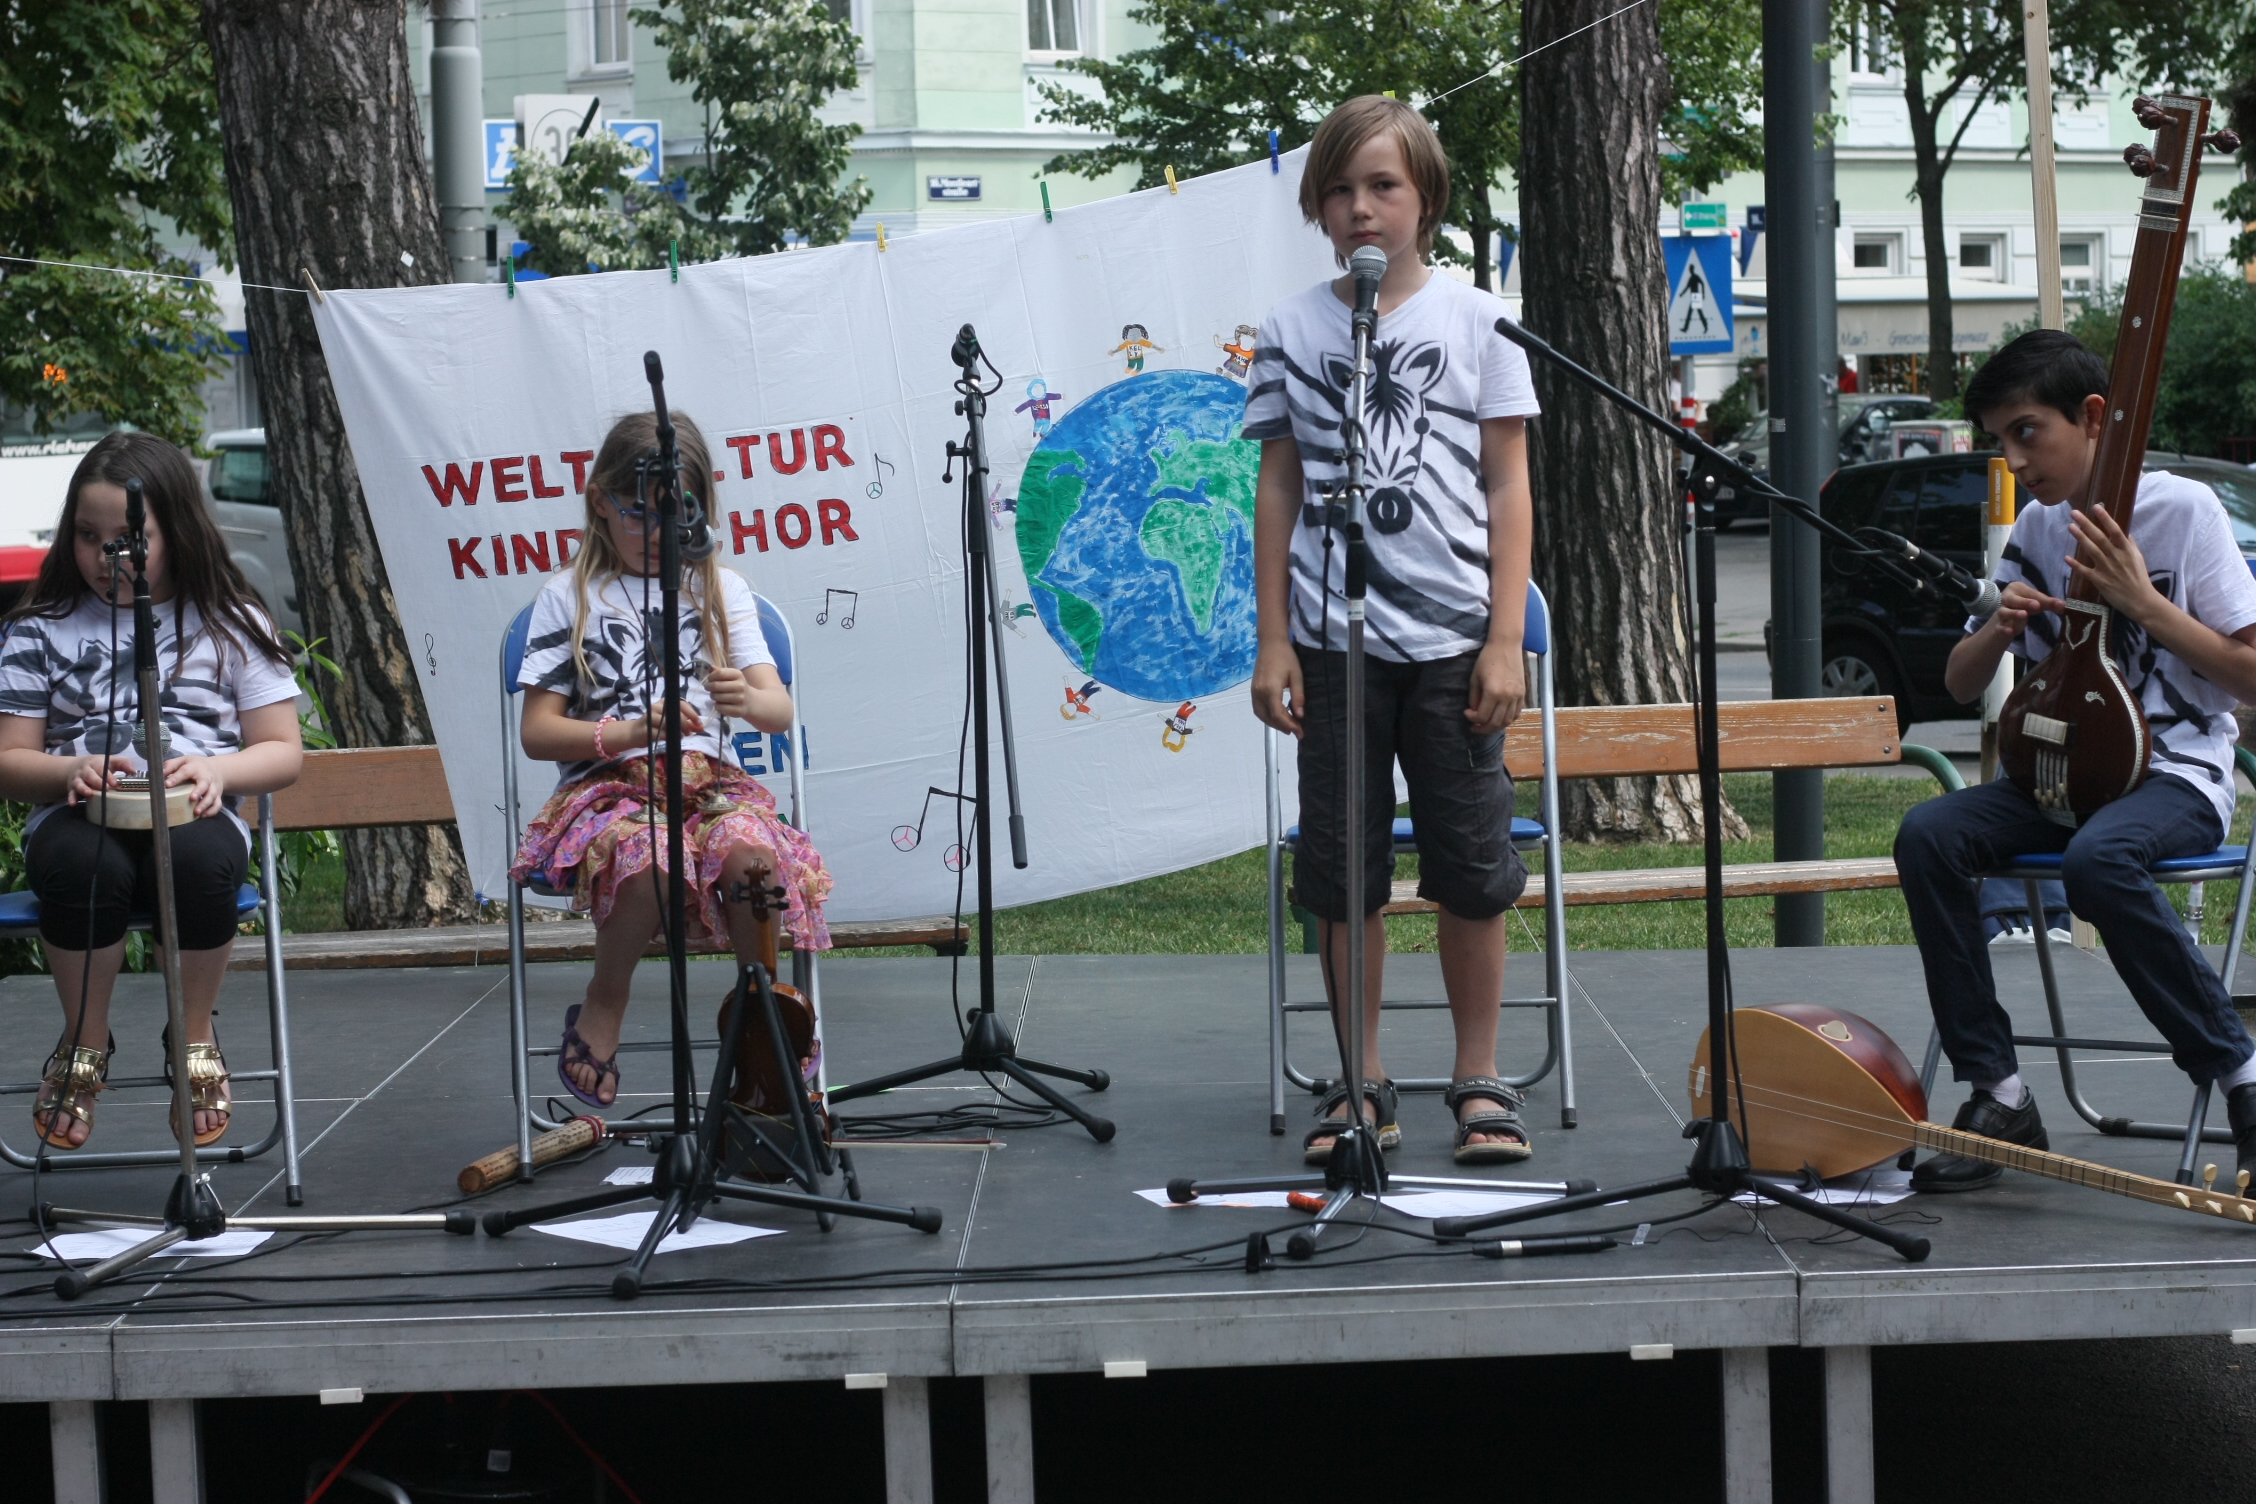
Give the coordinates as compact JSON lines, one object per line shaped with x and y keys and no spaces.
{"x":192,"y":1211}
{"x":987,"y":1045}
{"x":1719,"y":1165}
{"x":698,"y":1154}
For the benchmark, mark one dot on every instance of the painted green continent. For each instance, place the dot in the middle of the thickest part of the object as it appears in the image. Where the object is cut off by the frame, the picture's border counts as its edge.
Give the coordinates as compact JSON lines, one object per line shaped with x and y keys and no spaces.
{"x":1047,"y":501}
{"x":1182,"y":533}
{"x":1229,"y":467}
{"x":1082,"y":622}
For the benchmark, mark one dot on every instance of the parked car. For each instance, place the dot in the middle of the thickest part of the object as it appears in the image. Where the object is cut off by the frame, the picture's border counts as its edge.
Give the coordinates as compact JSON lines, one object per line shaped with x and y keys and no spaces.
{"x":240,"y":489}
{"x":1864,"y":429}
{"x":1880,"y":639}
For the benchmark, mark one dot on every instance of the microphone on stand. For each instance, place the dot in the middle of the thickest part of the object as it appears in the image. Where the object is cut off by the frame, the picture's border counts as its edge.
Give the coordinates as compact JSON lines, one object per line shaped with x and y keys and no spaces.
{"x":1367,"y":266}
{"x":1978,"y":593}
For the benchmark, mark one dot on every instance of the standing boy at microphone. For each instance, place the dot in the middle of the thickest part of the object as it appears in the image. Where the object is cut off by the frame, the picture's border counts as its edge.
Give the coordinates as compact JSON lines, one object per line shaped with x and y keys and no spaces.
{"x":1448,"y":523}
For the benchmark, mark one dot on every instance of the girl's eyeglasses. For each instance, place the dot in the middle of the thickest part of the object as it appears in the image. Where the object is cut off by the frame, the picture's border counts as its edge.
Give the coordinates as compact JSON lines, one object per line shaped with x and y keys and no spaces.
{"x":635,"y":517}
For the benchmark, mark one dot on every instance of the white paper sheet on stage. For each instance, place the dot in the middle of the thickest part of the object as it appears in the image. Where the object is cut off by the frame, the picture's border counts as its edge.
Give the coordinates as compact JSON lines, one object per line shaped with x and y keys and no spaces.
{"x":1121,"y":509}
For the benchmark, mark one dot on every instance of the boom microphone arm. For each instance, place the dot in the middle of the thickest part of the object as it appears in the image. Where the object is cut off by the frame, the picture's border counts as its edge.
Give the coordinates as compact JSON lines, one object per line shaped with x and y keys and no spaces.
{"x":1920,"y":572}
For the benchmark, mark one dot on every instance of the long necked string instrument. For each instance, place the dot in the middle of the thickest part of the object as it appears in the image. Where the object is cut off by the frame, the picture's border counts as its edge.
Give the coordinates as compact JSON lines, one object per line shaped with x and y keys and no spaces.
{"x":1828,"y":1092}
{"x":2073,"y":734}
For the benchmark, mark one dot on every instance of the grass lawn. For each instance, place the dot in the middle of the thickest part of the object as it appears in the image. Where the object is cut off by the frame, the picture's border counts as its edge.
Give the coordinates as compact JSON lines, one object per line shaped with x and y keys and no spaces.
{"x":1219,"y":908}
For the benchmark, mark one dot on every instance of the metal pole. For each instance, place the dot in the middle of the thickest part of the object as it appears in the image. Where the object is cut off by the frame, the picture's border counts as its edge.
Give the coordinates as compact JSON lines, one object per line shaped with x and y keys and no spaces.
{"x":1799,"y":361}
{"x":458,"y":136}
{"x":2044,"y":187}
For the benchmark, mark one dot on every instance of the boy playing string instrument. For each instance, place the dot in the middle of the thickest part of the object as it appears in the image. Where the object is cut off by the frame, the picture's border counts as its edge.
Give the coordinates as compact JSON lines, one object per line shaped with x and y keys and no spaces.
{"x":2186,"y":639}
{"x":1449,"y":523}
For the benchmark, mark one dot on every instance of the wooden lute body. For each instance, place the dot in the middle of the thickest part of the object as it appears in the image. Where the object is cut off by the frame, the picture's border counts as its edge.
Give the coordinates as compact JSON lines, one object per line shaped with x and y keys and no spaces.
{"x":1828,"y":1090}
{"x":2072,"y":734}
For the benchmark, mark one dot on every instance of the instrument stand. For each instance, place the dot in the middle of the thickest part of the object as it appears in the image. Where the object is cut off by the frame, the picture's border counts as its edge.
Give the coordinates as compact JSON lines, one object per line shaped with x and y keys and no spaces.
{"x":192,"y":1212}
{"x":988,"y":1048}
{"x":691,"y":1168}
{"x":1719,"y":1164}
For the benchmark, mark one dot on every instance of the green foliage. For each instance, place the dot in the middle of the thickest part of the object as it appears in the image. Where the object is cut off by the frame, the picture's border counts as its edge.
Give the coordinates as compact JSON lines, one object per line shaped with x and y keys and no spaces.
{"x":1730,"y":413}
{"x":2236,"y":104}
{"x":588,"y":214}
{"x":298,"y":852}
{"x":775,"y":172}
{"x":2208,"y":390}
{"x":108,"y":123}
{"x":1219,"y":77}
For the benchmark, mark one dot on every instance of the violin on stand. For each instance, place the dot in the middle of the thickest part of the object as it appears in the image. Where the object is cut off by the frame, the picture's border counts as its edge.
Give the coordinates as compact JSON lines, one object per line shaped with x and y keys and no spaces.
{"x":2073,"y":734}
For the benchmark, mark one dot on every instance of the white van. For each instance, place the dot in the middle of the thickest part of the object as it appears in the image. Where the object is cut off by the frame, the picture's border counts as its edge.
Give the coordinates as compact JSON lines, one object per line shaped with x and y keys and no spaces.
{"x":35,"y":471}
{"x":241,"y":491}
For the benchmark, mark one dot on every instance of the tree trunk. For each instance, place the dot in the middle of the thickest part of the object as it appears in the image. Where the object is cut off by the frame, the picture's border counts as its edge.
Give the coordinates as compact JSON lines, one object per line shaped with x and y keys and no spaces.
{"x":325,"y":167}
{"x":1608,"y":529}
{"x":1928,"y":168}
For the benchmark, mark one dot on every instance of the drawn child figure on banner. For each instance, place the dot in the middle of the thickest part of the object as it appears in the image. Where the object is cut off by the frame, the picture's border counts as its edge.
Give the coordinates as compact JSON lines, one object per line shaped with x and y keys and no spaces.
{"x":1237,"y":352}
{"x":1135,"y":339}
{"x":1037,"y":406}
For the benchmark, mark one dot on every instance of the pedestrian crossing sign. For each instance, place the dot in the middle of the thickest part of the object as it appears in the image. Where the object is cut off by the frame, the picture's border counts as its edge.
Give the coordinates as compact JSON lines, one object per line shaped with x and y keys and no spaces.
{"x":1699,"y":306}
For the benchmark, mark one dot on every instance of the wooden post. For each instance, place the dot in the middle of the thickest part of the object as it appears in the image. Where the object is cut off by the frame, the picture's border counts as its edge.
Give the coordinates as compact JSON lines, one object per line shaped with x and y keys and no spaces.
{"x":2036,"y":39}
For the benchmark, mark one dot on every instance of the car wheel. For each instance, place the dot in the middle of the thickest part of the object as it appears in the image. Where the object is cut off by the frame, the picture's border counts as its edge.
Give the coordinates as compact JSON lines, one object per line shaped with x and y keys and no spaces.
{"x":1853,"y":667}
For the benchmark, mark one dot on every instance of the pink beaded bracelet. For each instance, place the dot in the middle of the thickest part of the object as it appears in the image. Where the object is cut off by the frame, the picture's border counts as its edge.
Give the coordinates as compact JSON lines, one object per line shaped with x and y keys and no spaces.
{"x":601,"y":755}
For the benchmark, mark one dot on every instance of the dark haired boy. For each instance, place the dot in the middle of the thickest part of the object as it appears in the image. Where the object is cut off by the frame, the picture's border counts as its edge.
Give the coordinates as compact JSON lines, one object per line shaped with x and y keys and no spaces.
{"x":2185,"y":635}
{"x":1449,"y":522}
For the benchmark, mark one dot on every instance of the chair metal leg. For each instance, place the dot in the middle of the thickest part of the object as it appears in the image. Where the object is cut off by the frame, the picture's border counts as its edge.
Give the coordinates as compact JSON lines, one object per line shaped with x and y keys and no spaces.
{"x":520,"y":1079}
{"x":2192,"y":1150}
{"x":1274,"y":800}
{"x":278,"y":1006}
{"x":1934,"y":1059}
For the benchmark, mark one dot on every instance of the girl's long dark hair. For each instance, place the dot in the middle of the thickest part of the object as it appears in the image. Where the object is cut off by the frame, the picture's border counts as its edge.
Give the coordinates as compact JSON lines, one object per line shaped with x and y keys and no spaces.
{"x":202,"y":573}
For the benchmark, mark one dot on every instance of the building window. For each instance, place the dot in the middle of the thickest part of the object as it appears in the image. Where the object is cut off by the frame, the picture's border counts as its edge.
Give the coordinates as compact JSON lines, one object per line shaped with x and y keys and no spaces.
{"x":1869,"y":54}
{"x":1052,"y":26}
{"x":609,"y":44}
{"x":1877,"y":255}
{"x":1982,"y":258}
{"x":2082,"y":265}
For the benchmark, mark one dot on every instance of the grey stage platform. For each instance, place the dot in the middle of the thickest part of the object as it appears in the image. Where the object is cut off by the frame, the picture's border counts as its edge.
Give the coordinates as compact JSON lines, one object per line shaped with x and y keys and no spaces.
{"x":402,"y":1080}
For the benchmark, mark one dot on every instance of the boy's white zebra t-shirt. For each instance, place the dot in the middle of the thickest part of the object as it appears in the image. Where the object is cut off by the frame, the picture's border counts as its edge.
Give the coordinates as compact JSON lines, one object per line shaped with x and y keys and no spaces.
{"x":618,"y":647}
{"x":1438,"y":369}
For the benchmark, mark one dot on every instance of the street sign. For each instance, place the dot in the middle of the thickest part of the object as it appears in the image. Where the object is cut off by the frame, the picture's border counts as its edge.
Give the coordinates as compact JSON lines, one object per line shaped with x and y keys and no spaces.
{"x":501,"y":140}
{"x":954,"y":189}
{"x":647,"y":135}
{"x":1707,"y":217}
{"x":1699,"y":280}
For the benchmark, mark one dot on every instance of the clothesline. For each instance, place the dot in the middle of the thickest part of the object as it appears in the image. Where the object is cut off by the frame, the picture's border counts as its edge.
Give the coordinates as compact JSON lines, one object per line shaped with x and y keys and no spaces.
{"x":127,"y":271}
{"x":1494,"y":68}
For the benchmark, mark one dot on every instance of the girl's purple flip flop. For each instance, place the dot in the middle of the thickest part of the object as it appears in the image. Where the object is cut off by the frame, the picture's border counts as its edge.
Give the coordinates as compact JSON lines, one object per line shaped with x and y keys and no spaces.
{"x":576,"y":1052}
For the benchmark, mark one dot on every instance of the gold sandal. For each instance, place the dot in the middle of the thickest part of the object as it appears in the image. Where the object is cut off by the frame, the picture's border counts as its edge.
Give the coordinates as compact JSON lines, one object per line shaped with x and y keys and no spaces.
{"x":69,"y":1086}
{"x":207,"y":1088}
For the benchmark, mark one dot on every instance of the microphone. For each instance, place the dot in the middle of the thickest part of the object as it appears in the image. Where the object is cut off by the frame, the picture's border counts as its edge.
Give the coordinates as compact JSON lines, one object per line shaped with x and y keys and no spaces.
{"x":136,"y":513}
{"x":1979,"y":594}
{"x":965,"y":351}
{"x":1367,"y":266}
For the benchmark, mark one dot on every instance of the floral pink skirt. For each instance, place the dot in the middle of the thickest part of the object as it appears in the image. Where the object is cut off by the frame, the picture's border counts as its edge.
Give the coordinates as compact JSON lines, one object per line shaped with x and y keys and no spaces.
{"x":603,"y":830}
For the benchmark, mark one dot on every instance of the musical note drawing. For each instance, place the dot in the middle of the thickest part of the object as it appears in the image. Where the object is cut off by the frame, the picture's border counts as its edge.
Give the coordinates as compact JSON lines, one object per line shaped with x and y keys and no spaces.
{"x":876,"y":487}
{"x":853,"y":603}
{"x":430,"y":653}
{"x":908,"y":837}
{"x":1077,"y":701}
{"x":1178,"y":728}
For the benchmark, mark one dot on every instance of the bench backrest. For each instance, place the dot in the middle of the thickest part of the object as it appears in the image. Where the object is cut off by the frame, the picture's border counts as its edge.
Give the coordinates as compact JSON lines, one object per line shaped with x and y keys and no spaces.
{"x":359,"y":787}
{"x":1754,"y":736}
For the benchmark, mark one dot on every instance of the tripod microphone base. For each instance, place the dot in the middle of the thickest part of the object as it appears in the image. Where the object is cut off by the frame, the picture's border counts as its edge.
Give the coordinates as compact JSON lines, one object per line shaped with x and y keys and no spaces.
{"x":988,"y":1049}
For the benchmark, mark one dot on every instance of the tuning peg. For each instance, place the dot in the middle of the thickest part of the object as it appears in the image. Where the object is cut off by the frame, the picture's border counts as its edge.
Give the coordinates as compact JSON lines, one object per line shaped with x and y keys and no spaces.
{"x":2150,"y":114}
{"x":2224,"y":140}
{"x":2208,"y":1177}
{"x":2140,"y":161}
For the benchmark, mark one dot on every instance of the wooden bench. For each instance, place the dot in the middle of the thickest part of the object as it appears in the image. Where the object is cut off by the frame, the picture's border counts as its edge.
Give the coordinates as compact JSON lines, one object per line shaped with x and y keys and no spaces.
{"x":1753,"y":736}
{"x":363,"y":788}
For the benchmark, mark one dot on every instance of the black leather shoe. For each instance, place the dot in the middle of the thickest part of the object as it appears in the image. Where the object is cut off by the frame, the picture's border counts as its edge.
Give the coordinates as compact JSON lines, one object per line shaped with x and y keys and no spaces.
{"x":2240,"y":1111}
{"x":1986,"y":1115}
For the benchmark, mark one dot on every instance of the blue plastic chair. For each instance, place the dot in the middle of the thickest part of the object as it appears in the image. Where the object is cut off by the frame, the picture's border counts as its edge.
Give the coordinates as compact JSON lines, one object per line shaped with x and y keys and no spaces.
{"x":789,"y":749}
{"x":1528,"y":835}
{"x":2226,"y":864}
{"x":19,"y":919}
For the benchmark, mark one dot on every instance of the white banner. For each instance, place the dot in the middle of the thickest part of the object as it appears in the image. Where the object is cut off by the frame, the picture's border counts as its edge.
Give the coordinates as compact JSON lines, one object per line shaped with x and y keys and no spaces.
{"x":1122,"y":510}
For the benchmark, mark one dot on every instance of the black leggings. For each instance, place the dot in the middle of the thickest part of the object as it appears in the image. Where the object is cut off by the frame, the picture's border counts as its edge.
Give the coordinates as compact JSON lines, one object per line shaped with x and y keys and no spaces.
{"x":68,"y":855}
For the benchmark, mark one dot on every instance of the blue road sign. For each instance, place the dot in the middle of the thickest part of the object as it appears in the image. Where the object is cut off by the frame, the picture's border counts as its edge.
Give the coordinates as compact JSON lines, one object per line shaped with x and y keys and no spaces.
{"x":501,"y":140}
{"x":645,"y":134}
{"x":1699,"y":281}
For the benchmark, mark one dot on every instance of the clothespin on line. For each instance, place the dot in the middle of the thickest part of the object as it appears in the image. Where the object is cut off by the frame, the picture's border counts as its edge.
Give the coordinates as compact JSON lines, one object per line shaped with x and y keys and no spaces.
{"x":1273,"y":167}
{"x":1171,"y":188}
{"x":509,"y":270}
{"x":1388,"y":93}
{"x":311,"y":285}
{"x":673,"y":258}
{"x":1047,"y":216}
{"x":881,"y":237}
